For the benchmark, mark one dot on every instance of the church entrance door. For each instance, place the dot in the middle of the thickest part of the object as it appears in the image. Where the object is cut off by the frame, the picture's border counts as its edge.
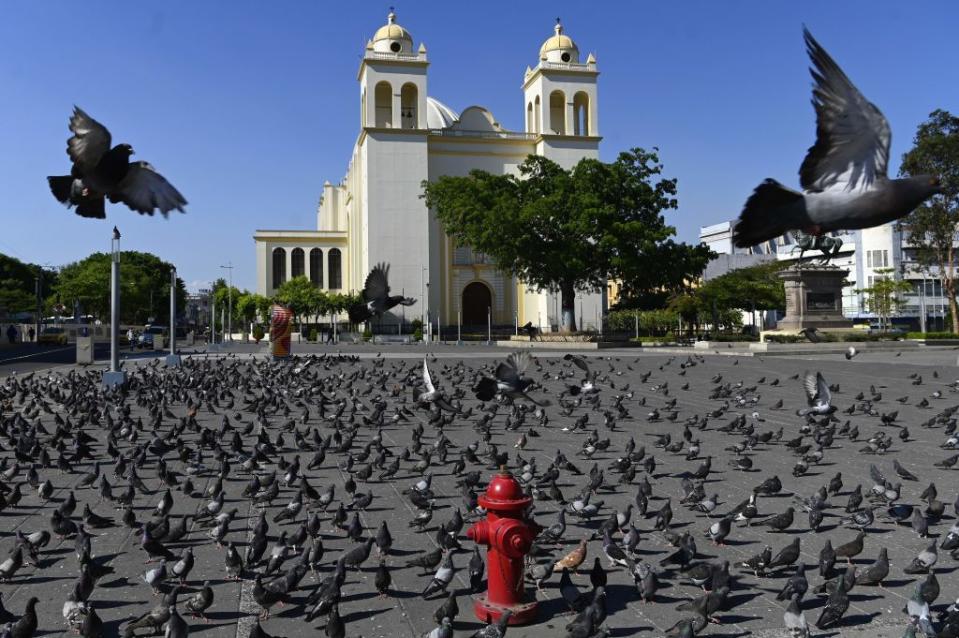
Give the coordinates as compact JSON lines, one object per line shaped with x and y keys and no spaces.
{"x":477,"y":300}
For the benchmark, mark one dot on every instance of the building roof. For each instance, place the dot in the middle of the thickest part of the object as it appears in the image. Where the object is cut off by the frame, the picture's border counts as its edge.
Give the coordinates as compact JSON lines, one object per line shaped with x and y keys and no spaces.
{"x":392,"y":31}
{"x":438,"y":115}
{"x":560,"y":42}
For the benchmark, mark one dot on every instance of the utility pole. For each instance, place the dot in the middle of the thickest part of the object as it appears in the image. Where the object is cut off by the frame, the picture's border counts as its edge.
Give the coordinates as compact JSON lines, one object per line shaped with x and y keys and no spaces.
{"x":36,"y":334}
{"x":114,"y":376}
{"x":173,"y":360}
{"x":229,"y":294}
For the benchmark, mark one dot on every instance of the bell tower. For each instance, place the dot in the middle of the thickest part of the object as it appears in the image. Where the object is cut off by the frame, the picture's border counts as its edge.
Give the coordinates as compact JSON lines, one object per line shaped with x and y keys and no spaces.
{"x":560,"y":92}
{"x":393,"y":80}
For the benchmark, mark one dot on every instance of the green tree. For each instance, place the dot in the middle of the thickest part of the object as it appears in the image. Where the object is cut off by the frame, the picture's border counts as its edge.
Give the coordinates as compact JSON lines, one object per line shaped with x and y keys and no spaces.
{"x":301,"y":296}
{"x":883,"y":297}
{"x":144,"y":286}
{"x":574,"y":229}
{"x":18,"y":285}
{"x":934,"y":227}
{"x":263,"y":305}
{"x":246,"y":309}
{"x":752,"y":288}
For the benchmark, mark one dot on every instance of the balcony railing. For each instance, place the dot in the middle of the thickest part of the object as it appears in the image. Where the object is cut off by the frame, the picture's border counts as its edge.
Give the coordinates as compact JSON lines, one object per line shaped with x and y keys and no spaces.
{"x":568,"y":66}
{"x":502,"y":135}
{"x":382,"y":55}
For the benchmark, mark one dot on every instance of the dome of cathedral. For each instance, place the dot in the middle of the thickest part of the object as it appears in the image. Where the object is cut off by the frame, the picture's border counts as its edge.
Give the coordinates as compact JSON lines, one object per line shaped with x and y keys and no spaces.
{"x":438,"y":115}
{"x":560,"y":47}
{"x":392,"y":38}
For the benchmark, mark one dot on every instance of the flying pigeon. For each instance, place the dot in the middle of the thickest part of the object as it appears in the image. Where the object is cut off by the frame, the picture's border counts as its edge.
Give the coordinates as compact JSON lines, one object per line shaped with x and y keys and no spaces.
{"x":843,"y":176}
{"x":376,"y":297}
{"x":100,"y":171}
{"x":817,"y":395}
{"x":509,"y":380}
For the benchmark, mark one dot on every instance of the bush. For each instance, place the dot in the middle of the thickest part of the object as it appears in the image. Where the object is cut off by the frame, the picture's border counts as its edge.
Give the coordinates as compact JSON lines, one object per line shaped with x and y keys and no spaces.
{"x":417,"y":325}
{"x":651,"y":322}
{"x":931,"y":335}
{"x":258,"y":332}
{"x":367,"y":335}
{"x":785,"y":338}
{"x":311,"y":334}
{"x":418,"y":333}
{"x":725,"y":337}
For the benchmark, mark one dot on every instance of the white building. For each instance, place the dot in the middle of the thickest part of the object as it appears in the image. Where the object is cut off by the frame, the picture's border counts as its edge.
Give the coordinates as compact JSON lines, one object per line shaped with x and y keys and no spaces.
{"x":376,"y":213}
{"x":866,"y":254}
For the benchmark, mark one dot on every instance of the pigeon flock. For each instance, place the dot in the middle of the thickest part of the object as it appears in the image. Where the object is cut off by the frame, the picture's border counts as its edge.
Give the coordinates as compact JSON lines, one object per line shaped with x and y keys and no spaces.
{"x":328,"y":489}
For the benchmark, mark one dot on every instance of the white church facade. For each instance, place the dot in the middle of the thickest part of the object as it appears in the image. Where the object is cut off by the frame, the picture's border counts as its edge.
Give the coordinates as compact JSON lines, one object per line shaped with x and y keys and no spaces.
{"x":376,"y":213}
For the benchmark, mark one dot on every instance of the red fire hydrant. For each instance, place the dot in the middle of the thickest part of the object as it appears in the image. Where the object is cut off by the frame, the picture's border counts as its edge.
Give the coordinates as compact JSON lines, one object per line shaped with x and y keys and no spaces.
{"x":508,"y":535}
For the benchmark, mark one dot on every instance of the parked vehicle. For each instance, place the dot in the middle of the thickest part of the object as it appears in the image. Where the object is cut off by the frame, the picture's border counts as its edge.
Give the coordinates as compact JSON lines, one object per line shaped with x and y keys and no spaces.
{"x":145,"y":340}
{"x":53,"y":336}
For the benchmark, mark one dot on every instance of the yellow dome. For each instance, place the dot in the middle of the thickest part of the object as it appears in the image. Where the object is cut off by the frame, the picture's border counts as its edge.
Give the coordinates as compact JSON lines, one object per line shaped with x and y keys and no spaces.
{"x":392,"y":31}
{"x":559,"y":42}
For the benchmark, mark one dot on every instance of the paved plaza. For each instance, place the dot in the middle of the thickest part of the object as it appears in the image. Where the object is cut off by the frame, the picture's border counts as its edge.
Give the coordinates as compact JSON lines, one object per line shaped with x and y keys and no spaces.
{"x":175,"y":413}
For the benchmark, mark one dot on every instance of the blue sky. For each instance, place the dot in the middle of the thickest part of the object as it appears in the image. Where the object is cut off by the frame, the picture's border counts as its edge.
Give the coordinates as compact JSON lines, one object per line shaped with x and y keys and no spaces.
{"x":248,"y":106}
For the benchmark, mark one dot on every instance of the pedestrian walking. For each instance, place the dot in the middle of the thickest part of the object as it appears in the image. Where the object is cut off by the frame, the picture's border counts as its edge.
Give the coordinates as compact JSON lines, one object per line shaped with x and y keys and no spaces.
{"x":32,"y":333}
{"x":12,"y":334}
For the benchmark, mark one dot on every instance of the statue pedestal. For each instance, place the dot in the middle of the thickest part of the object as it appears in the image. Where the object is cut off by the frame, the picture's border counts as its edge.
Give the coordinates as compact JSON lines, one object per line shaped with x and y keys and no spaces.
{"x":813,"y":298}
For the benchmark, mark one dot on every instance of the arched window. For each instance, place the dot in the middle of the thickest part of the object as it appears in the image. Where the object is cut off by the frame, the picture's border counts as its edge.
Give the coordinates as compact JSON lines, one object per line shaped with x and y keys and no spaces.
{"x":408,"y":106}
{"x":383,"y":104}
{"x":335,"y":268}
{"x":279,"y":267}
{"x":557,"y":112}
{"x":581,"y":114}
{"x":536,"y":115}
{"x":316,"y":267}
{"x":529,"y":118}
{"x":296,"y":262}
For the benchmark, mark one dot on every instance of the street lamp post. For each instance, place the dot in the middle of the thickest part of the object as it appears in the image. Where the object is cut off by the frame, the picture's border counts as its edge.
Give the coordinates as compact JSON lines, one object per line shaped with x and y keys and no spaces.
{"x":229,"y":295}
{"x":114,"y":376}
{"x":37,"y":319}
{"x":173,"y":359}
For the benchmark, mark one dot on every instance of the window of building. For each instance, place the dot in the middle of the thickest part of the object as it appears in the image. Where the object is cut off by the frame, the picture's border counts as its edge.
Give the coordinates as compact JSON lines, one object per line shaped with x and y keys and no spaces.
{"x":383,"y":105}
{"x":408,"y":96}
{"x":279,"y":267}
{"x":581,"y":114}
{"x":316,"y":267}
{"x":557,"y":112}
{"x":335,"y":269}
{"x":297,"y":262}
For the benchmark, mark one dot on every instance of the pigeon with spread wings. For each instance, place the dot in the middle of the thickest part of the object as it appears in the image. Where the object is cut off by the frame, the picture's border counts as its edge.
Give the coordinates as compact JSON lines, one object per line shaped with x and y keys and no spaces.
{"x":376,"y":297}
{"x":431,"y":395}
{"x":843,"y":177}
{"x":588,"y":386}
{"x":509,"y":380}
{"x":817,"y":395}
{"x":100,"y":171}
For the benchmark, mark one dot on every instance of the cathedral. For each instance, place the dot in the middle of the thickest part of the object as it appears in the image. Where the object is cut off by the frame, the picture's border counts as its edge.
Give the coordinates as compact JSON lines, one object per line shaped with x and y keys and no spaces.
{"x":376,"y":214}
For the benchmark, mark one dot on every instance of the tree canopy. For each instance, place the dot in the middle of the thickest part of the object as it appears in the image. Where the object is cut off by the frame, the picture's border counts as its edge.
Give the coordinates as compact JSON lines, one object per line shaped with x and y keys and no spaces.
{"x":752,"y":288}
{"x":934,"y":226}
{"x":18,"y":284}
{"x":88,"y":282}
{"x":570,"y":230}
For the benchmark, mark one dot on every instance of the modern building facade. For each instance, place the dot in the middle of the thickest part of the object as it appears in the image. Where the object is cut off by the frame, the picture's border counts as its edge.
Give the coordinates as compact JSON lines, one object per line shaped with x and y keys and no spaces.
{"x":376,"y":213}
{"x":883,"y":251}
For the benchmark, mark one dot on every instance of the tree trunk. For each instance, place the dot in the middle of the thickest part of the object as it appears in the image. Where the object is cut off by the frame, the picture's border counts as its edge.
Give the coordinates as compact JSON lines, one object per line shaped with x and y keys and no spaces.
{"x":568,"y":306}
{"x":950,"y":286}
